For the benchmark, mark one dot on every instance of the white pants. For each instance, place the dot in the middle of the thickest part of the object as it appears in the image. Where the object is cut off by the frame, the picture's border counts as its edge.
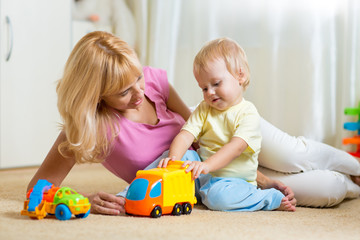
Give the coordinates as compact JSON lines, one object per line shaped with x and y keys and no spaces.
{"x":317,"y":173}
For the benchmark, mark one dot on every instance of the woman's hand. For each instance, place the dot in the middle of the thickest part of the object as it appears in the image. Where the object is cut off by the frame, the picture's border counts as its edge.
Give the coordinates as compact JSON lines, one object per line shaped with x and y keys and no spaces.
{"x":105,"y":203}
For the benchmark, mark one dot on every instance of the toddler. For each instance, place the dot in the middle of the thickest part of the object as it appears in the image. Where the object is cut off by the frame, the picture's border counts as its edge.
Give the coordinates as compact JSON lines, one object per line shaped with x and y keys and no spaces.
{"x":227,"y":129}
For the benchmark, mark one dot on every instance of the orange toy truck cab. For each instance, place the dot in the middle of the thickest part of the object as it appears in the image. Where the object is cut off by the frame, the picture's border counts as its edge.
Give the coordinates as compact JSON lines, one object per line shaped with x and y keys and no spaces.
{"x":160,"y":191}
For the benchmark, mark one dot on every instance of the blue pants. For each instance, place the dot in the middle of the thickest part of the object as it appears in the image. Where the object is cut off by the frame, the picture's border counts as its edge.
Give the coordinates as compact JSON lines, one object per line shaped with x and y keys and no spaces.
{"x":235,"y":194}
{"x":232,"y":194}
{"x":228,"y":194}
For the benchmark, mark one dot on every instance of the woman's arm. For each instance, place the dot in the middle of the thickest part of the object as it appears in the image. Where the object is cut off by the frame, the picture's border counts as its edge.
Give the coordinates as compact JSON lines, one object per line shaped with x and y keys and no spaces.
{"x":56,"y":167}
{"x":177,"y":105}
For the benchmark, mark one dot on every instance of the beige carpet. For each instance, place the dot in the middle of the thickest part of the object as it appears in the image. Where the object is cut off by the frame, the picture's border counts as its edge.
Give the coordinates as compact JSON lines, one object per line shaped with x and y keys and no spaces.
{"x":341,"y":222}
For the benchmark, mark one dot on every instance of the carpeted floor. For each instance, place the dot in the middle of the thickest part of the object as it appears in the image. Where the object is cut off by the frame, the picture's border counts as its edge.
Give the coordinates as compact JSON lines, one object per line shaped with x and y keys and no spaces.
{"x":341,"y":222}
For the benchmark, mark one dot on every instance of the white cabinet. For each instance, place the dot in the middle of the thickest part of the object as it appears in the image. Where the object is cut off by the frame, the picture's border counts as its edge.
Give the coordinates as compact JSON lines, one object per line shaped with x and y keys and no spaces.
{"x":35,"y":43}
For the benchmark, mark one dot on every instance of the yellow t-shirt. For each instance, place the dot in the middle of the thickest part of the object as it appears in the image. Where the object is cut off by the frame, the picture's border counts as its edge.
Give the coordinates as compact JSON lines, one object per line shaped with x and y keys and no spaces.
{"x":214,"y":128}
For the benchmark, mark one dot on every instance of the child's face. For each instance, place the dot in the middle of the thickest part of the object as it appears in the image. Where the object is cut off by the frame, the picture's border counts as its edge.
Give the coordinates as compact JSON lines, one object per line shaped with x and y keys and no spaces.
{"x":221,"y":90}
{"x":130,"y":97}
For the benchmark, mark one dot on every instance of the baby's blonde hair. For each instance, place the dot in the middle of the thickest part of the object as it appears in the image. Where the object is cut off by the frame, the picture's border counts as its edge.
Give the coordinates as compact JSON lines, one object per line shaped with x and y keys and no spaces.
{"x":228,"y":50}
{"x":99,"y":65}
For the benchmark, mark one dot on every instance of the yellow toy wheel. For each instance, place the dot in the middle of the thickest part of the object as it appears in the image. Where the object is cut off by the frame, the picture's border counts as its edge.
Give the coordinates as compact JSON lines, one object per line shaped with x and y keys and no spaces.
{"x":156,"y":212}
{"x":177,"y":210}
{"x":187,"y":208}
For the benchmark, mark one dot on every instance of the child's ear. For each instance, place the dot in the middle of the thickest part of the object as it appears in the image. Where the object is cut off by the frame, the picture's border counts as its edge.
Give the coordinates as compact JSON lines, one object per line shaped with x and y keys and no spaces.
{"x":241,"y":77}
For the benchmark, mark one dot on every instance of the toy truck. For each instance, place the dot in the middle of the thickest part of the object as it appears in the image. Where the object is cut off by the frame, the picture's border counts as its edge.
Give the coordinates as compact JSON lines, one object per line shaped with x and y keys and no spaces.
{"x":44,"y":198}
{"x":160,"y":191}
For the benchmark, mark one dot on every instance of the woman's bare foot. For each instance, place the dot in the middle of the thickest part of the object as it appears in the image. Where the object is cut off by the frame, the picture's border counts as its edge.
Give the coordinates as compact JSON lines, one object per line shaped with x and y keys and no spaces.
{"x":356,"y":179}
{"x":286,"y":205}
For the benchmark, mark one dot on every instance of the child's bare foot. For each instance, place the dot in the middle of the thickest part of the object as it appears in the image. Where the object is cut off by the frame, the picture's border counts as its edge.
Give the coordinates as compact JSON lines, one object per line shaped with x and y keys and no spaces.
{"x":286,"y":205}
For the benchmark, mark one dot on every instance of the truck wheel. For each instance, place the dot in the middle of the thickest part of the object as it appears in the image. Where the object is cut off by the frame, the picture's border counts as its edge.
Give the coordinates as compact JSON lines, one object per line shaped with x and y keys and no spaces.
{"x":156,"y":212}
{"x":177,"y":210}
{"x":83,"y":215}
{"x":187,"y":208}
{"x":62,"y":212}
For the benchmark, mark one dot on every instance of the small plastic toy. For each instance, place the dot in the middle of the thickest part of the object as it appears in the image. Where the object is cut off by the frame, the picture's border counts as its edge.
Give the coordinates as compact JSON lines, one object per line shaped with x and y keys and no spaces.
{"x":44,"y":198}
{"x":160,"y":191}
{"x":353,"y":126}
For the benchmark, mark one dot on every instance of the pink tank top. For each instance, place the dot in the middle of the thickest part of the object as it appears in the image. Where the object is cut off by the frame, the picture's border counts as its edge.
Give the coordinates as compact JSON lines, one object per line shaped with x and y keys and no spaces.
{"x":139,"y":144}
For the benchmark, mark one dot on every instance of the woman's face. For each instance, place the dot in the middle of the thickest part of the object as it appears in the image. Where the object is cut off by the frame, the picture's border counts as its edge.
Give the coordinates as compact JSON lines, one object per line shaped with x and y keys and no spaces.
{"x":130,"y":97}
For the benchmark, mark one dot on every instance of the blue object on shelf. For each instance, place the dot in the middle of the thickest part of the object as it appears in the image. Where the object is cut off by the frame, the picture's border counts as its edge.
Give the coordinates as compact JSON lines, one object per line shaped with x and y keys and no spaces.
{"x":352,"y":126}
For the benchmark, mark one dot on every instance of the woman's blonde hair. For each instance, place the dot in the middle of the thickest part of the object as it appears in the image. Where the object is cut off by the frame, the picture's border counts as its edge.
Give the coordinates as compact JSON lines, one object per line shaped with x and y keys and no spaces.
{"x":227,"y":49}
{"x":99,"y":65}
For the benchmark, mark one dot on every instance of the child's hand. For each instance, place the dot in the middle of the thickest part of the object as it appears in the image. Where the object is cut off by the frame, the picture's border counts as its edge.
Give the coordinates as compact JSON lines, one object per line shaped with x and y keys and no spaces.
{"x":164,"y":162}
{"x":197,"y":168}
